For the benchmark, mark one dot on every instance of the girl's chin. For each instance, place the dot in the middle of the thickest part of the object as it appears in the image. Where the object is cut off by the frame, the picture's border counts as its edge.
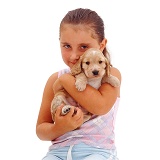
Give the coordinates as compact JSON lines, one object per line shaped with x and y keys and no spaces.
{"x":71,"y":65}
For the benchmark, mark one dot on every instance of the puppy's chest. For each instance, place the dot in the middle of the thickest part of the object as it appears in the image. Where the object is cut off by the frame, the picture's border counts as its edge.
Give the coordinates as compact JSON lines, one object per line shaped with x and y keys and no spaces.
{"x":96,"y":83}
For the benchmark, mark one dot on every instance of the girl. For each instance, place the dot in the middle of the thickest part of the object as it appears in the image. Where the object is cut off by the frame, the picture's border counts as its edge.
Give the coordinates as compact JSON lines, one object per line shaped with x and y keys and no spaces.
{"x":80,"y":30}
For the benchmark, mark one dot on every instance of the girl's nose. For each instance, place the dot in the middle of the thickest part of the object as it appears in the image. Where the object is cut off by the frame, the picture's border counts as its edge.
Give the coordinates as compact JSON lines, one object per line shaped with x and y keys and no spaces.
{"x":74,"y":56}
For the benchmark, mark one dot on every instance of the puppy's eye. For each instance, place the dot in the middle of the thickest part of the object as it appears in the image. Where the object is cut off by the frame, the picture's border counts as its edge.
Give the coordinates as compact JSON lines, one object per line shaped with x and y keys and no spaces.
{"x":87,"y":63}
{"x":100,"y":62}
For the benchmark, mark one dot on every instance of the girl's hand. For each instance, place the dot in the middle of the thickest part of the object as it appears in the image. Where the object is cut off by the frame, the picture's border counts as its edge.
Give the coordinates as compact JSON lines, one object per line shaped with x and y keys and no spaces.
{"x":70,"y":121}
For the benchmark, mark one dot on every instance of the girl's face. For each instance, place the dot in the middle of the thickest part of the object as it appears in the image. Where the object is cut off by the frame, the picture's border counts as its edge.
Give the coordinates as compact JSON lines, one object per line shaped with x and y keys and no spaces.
{"x":75,"y":40}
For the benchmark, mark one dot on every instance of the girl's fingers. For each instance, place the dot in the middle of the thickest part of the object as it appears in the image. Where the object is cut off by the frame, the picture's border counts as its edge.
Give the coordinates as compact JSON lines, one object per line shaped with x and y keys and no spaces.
{"x":59,"y":110}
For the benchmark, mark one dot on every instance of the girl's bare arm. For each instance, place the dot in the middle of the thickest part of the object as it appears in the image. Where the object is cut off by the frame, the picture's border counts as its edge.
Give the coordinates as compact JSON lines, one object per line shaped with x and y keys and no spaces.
{"x":95,"y":101}
{"x":46,"y":129}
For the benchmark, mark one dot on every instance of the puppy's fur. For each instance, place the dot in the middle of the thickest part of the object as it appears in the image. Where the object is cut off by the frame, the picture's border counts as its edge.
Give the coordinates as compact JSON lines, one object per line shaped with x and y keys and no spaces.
{"x":92,"y":68}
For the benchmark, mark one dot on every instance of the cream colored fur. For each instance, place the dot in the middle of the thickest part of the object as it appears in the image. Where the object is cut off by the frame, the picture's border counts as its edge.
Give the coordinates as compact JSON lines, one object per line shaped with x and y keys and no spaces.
{"x":92,"y":68}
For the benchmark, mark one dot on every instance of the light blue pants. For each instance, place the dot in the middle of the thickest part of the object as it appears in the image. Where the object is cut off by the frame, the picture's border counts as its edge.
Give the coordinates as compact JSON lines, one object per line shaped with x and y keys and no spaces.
{"x":81,"y":152}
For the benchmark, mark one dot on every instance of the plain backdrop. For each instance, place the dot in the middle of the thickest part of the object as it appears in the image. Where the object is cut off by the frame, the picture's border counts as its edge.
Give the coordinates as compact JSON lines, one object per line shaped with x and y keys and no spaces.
{"x":30,"y":53}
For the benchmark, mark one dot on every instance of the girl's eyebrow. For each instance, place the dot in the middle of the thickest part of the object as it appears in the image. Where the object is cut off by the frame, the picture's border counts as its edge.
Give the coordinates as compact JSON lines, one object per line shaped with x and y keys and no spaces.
{"x":64,"y":42}
{"x":81,"y":44}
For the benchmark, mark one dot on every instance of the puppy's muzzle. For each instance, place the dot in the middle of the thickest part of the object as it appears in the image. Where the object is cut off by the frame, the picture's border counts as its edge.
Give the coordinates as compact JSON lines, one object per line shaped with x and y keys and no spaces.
{"x":95,"y":72}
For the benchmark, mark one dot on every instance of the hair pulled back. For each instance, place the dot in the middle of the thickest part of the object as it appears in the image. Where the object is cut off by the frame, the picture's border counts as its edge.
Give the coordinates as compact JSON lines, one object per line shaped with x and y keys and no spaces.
{"x":89,"y":18}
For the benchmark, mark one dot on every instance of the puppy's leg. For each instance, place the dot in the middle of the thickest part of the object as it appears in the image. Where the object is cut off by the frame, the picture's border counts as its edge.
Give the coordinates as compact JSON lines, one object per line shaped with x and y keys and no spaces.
{"x":114,"y":81}
{"x":60,"y":98}
{"x":81,"y":81}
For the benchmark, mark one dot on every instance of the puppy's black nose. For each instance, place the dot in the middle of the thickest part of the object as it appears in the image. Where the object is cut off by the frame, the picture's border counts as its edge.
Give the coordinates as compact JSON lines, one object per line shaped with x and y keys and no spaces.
{"x":95,"y":72}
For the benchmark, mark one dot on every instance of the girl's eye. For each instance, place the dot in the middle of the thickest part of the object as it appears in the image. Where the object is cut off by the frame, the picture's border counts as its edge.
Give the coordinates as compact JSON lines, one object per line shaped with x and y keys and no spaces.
{"x":83,"y":48}
{"x":100,"y":62}
{"x":87,"y":63}
{"x":67,"y":46}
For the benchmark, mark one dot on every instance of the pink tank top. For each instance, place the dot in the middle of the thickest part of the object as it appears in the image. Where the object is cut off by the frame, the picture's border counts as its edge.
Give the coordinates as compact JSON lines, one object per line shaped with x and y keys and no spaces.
{"x":97,"y":132}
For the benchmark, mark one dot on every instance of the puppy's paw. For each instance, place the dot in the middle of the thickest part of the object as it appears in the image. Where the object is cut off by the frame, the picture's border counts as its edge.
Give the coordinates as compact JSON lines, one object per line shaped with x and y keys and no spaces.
{"x":80,"y":85}
{"x":114,"y":81}
{"x":81,"y":81}
{"x":57,"y":101}
{"x":65,"y":110}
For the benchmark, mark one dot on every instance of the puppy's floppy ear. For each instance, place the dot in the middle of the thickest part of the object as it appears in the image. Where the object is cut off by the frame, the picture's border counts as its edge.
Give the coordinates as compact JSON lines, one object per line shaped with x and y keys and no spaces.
{"x":107,"y":67}
{"x":77,"y":68}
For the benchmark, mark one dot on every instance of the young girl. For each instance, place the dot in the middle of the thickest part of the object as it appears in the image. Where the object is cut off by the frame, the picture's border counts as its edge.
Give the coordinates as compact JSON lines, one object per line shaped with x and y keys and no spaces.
{"x":72,"y":139}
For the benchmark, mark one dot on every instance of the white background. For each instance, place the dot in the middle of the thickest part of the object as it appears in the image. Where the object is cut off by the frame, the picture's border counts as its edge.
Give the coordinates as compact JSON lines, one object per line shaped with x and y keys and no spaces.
{"x":29,"y":54}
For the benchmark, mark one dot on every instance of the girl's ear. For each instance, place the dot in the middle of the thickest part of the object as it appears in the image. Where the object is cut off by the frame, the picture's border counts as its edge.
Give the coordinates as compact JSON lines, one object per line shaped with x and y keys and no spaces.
{"x":76,"y":69}
{"x":103,"y":44}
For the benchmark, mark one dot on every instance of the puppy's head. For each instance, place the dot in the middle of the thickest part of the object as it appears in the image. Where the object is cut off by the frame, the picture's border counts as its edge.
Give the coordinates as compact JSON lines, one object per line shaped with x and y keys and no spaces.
{"x":93,"y":63}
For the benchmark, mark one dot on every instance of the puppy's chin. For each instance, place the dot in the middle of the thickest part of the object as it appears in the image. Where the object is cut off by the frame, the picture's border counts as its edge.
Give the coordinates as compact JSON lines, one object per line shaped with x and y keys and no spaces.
{"x":91,"y":75}
{"x":94,"y":76}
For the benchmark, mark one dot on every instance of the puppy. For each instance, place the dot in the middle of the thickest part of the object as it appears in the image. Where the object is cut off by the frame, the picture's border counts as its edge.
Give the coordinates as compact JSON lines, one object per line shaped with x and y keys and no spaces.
{"x":92,"y":68}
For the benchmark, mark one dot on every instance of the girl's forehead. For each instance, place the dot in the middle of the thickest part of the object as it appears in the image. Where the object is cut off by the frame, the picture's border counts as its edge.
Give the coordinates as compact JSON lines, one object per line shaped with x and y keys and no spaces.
{"x":80,"y":30}
{"x":77,"y":27}
{"x":78,"y":38}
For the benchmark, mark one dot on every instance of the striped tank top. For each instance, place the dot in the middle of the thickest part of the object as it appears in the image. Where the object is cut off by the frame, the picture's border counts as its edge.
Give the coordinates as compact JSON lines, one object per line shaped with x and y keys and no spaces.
{"x":97,"y":132}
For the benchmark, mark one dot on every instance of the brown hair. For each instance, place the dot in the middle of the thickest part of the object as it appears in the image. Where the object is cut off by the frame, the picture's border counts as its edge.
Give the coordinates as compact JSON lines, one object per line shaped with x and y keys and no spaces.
{"x":89,"y":18}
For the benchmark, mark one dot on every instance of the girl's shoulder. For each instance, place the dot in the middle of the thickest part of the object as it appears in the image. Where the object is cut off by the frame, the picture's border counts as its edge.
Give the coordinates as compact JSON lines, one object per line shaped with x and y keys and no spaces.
{"x":49,"y":84}
{"x":52,"y":78}
{"x":63,"y":71}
